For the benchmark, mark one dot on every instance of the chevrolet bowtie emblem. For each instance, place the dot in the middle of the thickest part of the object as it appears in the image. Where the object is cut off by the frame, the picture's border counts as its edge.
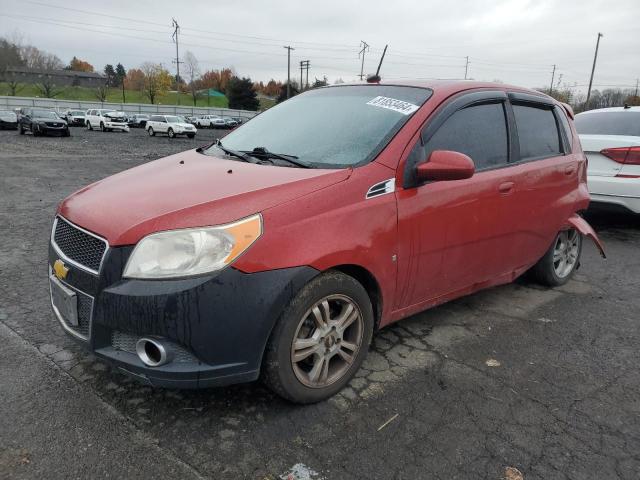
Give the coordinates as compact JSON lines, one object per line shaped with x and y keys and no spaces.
{"x":60,"y":269}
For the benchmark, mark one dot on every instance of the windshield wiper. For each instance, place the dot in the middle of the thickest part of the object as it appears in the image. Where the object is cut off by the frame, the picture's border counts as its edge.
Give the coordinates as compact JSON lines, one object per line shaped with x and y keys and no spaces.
{"x":233,"y":153}
{"x":262,"y":152}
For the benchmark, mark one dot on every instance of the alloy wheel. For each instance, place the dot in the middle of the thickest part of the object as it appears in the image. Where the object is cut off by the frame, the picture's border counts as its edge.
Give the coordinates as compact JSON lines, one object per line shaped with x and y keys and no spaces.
{"x":565,"y":252}
{"x":327,"y":341}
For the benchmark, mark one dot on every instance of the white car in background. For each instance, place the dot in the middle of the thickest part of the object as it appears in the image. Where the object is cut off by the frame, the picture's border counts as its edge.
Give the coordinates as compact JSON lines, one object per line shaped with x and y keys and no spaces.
{"x":610,"y":138}
{"x":210,"y":121}
{"x":106,"y":120}
{"x":172,"y":125}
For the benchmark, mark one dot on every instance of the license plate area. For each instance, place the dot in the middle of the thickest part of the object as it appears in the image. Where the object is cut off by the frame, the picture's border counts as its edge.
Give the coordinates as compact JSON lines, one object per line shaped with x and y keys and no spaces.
{"x":65,"y":300}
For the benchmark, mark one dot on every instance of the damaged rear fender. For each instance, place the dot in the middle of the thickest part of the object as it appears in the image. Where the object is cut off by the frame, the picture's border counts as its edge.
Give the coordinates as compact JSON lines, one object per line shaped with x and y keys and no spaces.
{"x":585,"y":229}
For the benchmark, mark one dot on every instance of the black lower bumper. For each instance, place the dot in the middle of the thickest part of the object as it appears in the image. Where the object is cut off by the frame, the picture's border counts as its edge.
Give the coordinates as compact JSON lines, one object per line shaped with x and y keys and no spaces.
{"x":219,"y":323}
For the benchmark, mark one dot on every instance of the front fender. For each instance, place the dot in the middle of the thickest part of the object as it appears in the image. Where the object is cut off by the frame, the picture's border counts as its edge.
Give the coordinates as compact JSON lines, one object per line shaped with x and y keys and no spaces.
{"x":585,"y":229}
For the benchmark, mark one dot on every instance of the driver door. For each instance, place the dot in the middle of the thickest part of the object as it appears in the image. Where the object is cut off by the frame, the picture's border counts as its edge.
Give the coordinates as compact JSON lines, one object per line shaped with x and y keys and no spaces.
{"x":455,"y":235}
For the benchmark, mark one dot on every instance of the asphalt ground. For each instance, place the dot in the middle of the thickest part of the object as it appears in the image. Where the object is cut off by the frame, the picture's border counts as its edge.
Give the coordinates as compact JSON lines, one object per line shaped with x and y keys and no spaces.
{"x":514,"y":382}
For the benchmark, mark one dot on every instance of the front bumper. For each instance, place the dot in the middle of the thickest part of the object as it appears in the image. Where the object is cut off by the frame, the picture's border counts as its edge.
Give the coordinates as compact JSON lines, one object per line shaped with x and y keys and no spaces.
{"x":219,"y":322}
{"x":76,"y":121}
{"x":8,"y":125}
{"x":48,"y":129}
{"x":117,"y":126}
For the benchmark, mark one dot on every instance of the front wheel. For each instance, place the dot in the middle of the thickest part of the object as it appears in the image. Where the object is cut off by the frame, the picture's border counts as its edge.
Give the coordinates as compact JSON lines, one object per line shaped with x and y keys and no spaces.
{"x":191,"y":135}
{"x":102,"y":127}
{"x":562,"y":259}
{"x":20,"y":129}
{"x":151,"y":132}
{"x":89,"y":127}
{"x":170,"y":133}
{"x":320,"y":340}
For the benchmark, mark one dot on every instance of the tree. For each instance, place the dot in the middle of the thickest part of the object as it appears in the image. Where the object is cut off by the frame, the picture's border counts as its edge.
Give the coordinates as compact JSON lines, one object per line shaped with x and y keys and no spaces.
{"x":77,"y":65}
{"x":14,"y":87}
{"x":193,"y":72}
{"x":101,"y":92}
{"x":320,"y":83}
{"x":338,"y":81}
{"x":121,"y":74}
{"x":217,"y":79}
{"x":110,"y":73}
{"x":272,"y":88}
{"x":134,"y":79}
{"x":283,"y":91}
{"x":39,"y":59}
{"x":242,"y":95}
{"x":47,"y":87}
{"x":157,"y":80}
{"x":9,"y":55}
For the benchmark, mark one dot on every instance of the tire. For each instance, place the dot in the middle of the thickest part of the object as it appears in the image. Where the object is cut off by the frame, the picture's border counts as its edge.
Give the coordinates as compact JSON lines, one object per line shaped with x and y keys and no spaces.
{"x":35,"y":131}
{"x":191,"y":135}
{"x":89,"y":127}
{"x":171,"y":133}
{"x":67,"y":133}
{"x":199,"y":125}
{"x":560,"y":262}
{"x":20,"y":129}
{"x":102,"y":127}
{"x":295,"y":380}
{"x":151,"y":132}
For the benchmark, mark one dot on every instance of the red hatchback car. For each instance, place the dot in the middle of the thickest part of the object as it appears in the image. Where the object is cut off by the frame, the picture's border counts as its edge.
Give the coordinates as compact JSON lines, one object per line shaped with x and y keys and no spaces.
{"x":278,"y":251}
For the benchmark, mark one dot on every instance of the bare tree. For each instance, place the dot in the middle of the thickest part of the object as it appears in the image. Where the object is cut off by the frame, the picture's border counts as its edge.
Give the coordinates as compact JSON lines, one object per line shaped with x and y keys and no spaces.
{"x":101,"y":93}
{"x":38,"y":59}
{"x":47,"y":87}
{"x":193,"y":73}
{"x":14,"y":87}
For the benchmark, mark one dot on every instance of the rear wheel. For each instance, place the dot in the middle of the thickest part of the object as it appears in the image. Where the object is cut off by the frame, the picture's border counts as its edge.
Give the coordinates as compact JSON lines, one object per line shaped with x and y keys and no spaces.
{"x":562,"y":259}
{"x":320,"y":340}
{"x":170,"y":133}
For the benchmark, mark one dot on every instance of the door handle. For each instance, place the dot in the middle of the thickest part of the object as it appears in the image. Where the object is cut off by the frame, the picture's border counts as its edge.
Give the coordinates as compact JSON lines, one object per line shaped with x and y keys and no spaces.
{"x":569,"y":170}
{"x":506,"y":187}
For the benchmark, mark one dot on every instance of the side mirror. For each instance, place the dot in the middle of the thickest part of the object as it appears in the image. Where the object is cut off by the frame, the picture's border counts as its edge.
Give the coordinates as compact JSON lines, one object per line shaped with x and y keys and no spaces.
{"x":446,"y":165}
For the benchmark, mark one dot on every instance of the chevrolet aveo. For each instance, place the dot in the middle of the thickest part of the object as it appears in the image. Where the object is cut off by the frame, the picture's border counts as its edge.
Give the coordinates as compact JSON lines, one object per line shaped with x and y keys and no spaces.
{"x":277,"y":252}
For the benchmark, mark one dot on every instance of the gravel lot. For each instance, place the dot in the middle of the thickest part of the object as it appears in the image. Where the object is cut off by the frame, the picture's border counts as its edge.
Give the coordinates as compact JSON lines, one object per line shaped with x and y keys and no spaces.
{"x":514,"y":380}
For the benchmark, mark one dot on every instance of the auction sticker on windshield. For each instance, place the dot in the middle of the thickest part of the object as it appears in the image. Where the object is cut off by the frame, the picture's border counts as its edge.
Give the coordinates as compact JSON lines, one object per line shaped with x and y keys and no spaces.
{"x":399,"y":106}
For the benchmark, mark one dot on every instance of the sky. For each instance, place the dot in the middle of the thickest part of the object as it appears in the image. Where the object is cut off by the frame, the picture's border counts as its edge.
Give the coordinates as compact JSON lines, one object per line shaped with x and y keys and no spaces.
{"x":514,"y":41}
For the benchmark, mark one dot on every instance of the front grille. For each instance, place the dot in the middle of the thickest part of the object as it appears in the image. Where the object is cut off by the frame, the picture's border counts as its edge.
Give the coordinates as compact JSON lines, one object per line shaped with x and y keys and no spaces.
{"x":127,"y":343}
{"x":78,"y":245}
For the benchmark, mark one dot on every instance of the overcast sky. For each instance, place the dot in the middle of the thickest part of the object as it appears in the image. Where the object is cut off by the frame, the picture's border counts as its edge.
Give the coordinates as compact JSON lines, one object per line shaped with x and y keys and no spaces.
{"x":515,"y":41}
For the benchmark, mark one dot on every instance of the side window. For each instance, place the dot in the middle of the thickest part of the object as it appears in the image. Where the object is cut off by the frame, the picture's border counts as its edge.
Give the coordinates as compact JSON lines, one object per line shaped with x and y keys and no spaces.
{"x":561,"y":114}
{"x":154,"y":118}
{"x":479,"y":131}
{"x":537,"y":132}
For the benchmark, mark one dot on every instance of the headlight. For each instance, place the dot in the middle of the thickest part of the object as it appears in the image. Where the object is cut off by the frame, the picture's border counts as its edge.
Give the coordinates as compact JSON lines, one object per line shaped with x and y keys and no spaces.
{"x":192,"y":251}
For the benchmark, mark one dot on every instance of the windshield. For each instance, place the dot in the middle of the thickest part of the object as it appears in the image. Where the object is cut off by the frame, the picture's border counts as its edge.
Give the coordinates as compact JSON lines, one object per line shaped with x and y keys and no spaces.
{"x":609,"y":123}
{"x":331,"y":127}
{"x":44,"y":114}
{"x":77,"y":112}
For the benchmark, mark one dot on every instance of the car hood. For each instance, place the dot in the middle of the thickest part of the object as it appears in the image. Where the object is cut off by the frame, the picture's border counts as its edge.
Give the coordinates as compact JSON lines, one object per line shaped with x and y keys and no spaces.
{"x":183,"y":125}
{"x":50,"y":120}
{"x":187,"y":190}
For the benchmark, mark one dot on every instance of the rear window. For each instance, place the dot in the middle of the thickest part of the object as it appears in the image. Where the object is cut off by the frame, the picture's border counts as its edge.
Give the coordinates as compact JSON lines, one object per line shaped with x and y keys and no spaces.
{"x":537,"y":132}
{"x":609,"y":123}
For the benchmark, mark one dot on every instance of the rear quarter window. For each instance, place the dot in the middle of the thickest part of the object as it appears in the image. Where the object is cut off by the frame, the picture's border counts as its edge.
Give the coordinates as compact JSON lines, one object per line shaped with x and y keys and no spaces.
{"x":537,"y":132}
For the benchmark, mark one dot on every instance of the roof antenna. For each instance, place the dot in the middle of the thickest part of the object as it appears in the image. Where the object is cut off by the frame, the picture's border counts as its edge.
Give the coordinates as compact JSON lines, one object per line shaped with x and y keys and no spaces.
{"x":376,"y":78}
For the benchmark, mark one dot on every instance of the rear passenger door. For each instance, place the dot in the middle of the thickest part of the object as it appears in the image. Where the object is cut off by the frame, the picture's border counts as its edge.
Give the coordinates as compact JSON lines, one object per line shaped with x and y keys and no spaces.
{"x":455,"y":234}
{"x":545,"y":172}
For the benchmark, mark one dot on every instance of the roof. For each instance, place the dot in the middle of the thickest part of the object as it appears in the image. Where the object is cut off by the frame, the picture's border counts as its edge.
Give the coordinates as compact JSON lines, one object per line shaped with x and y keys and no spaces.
{"x":612,"y":109}
{"x":451,"y":86}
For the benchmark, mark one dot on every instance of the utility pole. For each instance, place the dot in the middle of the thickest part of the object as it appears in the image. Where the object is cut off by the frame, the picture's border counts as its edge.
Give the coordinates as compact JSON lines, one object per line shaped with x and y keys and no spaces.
{"x":306,"y":65}
{"x":593,"y":69}
{"x":176,"y":30}
{"x":301,"y":68}
{"x":365,"y":47}
{"x":466,"y":68}
{"x":637,"y":81}
{"x":553,"y":74}
{"x":289,"y":48}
